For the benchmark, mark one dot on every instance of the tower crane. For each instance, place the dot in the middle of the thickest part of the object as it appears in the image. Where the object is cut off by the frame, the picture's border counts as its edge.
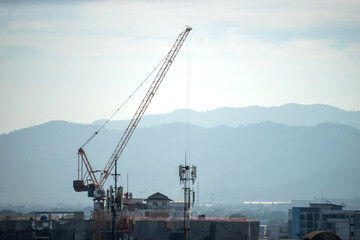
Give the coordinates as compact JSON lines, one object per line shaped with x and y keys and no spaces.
{"x":87,"y":178}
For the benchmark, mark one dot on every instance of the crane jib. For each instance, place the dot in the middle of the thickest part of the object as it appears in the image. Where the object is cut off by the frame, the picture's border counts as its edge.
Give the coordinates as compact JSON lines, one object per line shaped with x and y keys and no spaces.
{"x":86,"y":177}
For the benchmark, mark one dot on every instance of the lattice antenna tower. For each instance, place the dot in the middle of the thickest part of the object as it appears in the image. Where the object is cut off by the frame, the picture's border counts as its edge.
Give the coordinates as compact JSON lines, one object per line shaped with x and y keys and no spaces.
{"x":187,"y":174}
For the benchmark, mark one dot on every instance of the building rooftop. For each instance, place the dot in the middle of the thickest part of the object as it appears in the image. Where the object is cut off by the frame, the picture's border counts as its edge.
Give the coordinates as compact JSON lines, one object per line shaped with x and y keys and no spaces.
{"x":207,"y":219}
{"x":326,"y":206}
{"x":158,"y":197}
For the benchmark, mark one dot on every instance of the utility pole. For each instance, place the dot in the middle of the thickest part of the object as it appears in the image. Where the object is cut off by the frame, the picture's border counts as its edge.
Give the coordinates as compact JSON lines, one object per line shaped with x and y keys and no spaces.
{"x":187,"y":174}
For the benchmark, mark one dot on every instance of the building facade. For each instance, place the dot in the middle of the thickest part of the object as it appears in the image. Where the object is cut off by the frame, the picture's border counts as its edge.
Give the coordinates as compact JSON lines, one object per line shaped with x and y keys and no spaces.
{"x":158,"y":205}
{"x":324,"y":217}
{"x":276,"y":231}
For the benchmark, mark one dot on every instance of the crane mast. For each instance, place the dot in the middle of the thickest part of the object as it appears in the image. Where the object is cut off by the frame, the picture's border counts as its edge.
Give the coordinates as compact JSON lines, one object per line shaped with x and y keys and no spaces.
{"x":87,"y":179}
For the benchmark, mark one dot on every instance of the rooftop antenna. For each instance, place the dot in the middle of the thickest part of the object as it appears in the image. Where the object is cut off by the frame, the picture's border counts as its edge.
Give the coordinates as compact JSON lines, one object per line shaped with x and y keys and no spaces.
{"x":322,"y":196}
{"x":187,"y":174}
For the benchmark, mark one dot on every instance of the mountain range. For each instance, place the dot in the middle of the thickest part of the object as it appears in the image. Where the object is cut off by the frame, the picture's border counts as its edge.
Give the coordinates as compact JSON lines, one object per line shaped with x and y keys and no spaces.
{"x":289,"y":114}
{"x":272,"y":155}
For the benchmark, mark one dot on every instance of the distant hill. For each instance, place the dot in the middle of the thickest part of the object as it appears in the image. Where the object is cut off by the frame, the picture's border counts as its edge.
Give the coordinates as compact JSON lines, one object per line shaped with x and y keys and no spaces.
{"x":289,"y":114}
{"x":260,"y":161}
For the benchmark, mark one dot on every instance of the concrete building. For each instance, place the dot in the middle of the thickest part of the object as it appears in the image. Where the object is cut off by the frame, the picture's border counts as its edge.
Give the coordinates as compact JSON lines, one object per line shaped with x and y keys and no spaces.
{"x":204,"y":228}
{"x":324,"y":217}
{"x":263,"y":232}
{"x":276,"y":231}
{"x":73,"y":226}
{"x":158,"y":205}
{"x":47,"y":225}
{"x":177,"y":210}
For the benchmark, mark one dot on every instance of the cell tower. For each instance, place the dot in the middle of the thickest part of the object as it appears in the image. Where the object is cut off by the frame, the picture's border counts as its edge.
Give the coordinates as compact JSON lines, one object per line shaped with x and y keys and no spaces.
{"x":187,"y":174}
{"x":198,"y":195}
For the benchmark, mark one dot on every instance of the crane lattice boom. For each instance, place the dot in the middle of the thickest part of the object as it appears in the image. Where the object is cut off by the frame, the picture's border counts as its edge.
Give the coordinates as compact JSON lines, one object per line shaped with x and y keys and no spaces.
{"x":89,"y":175}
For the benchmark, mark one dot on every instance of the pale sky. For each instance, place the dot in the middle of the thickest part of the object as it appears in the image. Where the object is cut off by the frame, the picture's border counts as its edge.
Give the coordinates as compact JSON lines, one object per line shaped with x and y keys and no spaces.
{"x":79,"y":60}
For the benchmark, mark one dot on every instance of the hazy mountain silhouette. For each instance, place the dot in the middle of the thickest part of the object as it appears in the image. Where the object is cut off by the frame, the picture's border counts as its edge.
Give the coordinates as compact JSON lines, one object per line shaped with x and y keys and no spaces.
{"x":290,"y":114}
{"x":261,"y":161}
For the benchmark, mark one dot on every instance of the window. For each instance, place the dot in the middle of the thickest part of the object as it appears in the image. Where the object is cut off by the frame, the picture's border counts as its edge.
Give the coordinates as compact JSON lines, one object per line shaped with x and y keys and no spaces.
{"x":316,"y":216}
{"x":302,"y":216}
{"x":155,"y":204}
{"x":164,"y":203}
{"x":309,"y":216}
{"x":309,"y":225}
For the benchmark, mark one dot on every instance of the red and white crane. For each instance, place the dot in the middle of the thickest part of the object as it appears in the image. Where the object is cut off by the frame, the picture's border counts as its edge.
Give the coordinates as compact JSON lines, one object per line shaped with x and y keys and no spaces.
{"x":87,"y":178}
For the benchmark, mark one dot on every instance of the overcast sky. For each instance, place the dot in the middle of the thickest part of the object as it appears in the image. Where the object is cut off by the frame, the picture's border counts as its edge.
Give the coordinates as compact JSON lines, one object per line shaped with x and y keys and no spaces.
{"x":79,"y":60}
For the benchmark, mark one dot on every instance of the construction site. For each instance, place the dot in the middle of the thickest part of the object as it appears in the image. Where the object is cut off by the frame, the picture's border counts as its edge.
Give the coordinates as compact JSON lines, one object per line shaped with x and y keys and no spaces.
{"x":117,"y":214}
{"x":142,"y":228}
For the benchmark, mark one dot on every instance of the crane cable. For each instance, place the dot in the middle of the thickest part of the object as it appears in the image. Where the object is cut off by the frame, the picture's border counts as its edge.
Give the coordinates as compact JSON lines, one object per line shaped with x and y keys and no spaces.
{"x":90,"y":138}
{"x":188,"y":78}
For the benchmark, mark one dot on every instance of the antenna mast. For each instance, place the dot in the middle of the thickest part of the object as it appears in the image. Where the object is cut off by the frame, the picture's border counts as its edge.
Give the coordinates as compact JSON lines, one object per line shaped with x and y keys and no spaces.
{"x":187,"y":174}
